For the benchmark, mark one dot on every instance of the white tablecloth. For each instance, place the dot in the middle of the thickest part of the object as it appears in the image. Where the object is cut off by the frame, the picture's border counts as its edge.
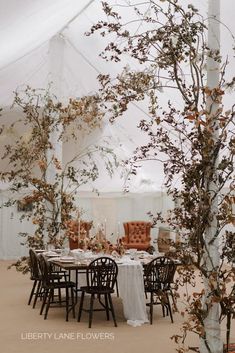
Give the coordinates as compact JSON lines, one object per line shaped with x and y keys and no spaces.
{"x":131,"y":290}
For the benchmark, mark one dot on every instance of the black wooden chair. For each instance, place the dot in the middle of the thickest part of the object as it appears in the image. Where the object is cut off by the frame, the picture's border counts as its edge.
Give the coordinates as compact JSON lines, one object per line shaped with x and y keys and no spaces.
{"x":228,"y":311}
{"x":158,"y":277}
{"x":35,"y":277}
{"x":50,"y":283}
{"x":101,"y":277}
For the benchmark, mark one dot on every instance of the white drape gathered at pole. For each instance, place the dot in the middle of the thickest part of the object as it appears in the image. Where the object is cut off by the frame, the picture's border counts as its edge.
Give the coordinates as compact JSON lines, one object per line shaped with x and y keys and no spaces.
{"x":57,"y":44}
{"x":56,"y":52}
{"x":55,"y":78}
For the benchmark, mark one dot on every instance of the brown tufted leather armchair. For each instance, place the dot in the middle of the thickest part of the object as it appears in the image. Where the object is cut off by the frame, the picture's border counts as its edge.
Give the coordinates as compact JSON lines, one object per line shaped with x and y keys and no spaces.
{"x":137,"y":235}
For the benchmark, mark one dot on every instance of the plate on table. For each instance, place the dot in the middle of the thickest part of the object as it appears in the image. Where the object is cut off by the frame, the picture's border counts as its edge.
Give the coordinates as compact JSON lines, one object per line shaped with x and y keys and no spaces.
{"x":67,"y":259}
{"x":51,"y":254}
{"x":54,"y":258}
{"x":142,"y":252}
{"x":74,"y":251}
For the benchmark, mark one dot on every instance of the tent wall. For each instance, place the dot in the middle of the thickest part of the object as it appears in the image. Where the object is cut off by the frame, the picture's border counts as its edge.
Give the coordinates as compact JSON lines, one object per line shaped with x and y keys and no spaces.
{"x":114,"y":208}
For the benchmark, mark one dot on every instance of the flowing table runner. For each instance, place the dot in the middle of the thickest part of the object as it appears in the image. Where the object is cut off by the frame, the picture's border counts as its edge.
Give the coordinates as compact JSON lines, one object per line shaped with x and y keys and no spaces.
{"x":131,"y":290}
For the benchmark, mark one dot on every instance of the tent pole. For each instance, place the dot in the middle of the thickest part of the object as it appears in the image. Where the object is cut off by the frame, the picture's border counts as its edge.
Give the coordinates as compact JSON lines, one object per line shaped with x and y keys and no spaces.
{"x":211,"y":256}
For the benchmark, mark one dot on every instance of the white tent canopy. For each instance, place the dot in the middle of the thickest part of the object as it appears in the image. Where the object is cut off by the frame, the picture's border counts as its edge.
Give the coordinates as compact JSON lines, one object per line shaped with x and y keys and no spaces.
{"x":26,"y":30}
{"x":43,"y":41}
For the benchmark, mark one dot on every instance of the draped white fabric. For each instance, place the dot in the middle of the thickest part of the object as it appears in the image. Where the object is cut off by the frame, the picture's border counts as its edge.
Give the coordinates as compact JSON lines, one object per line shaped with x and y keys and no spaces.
{"x":29,"y":31}
{"x":28,"y":57}
{"x":26,"y":27}
{"x":131,"y":290}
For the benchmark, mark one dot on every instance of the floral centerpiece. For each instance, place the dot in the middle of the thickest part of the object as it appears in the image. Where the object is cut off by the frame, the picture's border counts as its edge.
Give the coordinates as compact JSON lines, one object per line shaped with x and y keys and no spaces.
{"x":78,"y":233}
{"x":99,"y":243}
{"x":120,"y":247}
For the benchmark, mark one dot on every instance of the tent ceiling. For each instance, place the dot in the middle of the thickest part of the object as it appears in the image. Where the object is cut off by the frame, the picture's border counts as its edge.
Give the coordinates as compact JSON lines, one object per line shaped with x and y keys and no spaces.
{"x":26,"y":30}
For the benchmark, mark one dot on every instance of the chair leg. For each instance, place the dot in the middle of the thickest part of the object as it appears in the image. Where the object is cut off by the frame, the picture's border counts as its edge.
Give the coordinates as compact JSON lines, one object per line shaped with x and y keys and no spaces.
{"x":50,"y":296}
{"x":81,"y":306}
{"x":163,"y":309}
{"x":59,"y":295}
{"x":91,"y":309}
{"x":32,"y":291}
{"x":228,"y":327}
{"x":37,"y":293}
{"x":67,"y":303}
{"x":106,"y":306}
{"x":173,"y":300}
{"x":41,"y":292}
{"x":73,"y":302}
{"x":44,"y":300}
{"x":151,"y":308}
{"x":117,"y":289}
{"x":169,"y":307}
{"x":53,"y":295}
{"x":112,"y":309}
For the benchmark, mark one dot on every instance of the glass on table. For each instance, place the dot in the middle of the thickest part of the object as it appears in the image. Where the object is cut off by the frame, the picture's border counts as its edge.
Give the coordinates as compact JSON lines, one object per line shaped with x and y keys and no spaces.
{"x":77,"y":258}
{"x":133,"y":253}
{"x":65,"y":252}
{"x":50,"y":247}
